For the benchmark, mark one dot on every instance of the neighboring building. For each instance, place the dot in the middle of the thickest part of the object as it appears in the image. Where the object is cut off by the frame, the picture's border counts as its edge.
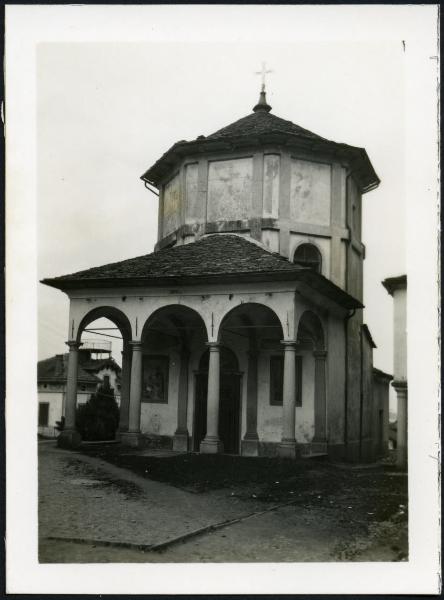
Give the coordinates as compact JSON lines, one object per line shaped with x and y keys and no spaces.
{"x":397,"y":287}
{"x":243,"y":330}
{"x":52,"y":374}
{"x":381,"y":424}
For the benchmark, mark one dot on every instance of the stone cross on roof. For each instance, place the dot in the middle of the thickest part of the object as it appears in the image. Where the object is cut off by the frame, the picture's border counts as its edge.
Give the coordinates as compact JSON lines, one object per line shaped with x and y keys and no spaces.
{"x":263,"y":72}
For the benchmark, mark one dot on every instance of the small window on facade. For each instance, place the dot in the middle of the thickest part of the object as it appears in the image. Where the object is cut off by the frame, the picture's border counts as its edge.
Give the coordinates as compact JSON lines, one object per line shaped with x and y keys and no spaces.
{"x":307,"y":255}
{"x":277,"y":380}
{"x":106,"y":381}
{"x":43,"y":414}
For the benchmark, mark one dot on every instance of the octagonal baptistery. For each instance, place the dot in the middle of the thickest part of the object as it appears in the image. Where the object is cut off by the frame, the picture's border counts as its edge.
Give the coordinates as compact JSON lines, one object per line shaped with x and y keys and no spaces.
{"x":267,"y":178}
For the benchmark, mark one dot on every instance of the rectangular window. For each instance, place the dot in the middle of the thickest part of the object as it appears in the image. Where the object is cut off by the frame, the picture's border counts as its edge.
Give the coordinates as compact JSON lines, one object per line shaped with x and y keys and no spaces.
{"x":155,"y":379}
{"x":277,"y":380}
{"x":43,"y":414}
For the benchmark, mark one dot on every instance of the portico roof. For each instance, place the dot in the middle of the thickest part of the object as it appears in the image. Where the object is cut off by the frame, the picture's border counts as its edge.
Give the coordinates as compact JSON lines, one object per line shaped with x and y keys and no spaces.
{"x":217,"y":258}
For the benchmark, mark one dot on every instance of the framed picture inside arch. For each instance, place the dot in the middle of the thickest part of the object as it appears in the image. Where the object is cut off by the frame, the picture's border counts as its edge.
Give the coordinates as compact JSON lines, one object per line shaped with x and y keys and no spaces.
{"x":155,"y":379}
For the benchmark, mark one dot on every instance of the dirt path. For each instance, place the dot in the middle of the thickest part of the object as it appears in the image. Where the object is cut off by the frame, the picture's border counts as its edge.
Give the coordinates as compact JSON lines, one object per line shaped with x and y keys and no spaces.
{"x":87,"y":499}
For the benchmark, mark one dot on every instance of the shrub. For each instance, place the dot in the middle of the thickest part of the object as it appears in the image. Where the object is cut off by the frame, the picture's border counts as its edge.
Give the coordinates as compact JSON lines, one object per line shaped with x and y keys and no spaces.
{"x":98,"y":418}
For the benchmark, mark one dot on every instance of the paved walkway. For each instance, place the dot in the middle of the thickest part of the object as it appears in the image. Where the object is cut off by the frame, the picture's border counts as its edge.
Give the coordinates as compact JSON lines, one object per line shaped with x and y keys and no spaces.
{"x":87,"y":498}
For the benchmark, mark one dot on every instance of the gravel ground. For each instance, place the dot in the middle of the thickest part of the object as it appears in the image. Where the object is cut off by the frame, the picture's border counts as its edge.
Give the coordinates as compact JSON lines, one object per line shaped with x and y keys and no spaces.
{"x":337,"y":514}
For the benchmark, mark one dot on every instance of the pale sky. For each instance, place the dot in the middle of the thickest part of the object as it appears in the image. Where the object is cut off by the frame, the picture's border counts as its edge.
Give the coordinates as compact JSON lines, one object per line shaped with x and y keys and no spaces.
{"x":107,"y":111}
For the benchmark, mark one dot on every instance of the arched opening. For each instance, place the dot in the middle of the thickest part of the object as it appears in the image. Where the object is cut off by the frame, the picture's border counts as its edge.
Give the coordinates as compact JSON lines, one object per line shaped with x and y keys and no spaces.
{"x":311,"y":344}
{"x":229,"y":406}
{"x":254,"y":333}
{"x":311,"y":331}
{"x":308,"y":256}
{"x":103,"y":371}
{"x":172,"y":339}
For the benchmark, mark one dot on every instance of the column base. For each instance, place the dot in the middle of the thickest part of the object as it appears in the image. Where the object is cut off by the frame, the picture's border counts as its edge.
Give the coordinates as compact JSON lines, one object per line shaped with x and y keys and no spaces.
{"x":132,"y":439}
{"x":69,"y":439}
{"x":287,"y":449}
{"x":250,"y":446}
{"x":180,"y":441}
{"x":211,"y":446}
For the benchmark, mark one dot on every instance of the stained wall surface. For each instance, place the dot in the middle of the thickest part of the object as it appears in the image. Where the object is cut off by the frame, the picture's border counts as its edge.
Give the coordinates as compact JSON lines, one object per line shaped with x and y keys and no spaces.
{"x":310,"y":192}
{"x":229,"y":189}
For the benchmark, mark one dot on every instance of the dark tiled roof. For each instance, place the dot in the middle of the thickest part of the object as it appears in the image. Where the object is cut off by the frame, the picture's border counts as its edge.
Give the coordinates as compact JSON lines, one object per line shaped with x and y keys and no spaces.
{"x":56,"y":369}
{"x":254,"y":130}
{"x":392,"y":284}
{"x":259,"y":123}
{"x":381,"y":374}
{"x":216,"y":258}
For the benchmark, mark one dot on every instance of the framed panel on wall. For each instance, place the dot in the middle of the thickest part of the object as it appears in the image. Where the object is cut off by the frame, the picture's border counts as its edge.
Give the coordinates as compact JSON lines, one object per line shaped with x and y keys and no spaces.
{"x":155,"y":379}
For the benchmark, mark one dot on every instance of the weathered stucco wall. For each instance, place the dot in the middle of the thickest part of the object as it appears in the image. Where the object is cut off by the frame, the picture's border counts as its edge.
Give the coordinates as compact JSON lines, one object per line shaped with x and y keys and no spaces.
{"x":171,"y":205}
{"x":310,"y":192}
{"x":271,"y":185}
{"x":380,"y":415}
{"x":354,"y":386}
{"x":270,"y":417}
{"x":229,"y":189}
{"x":335,"y":381}
{"x":193,"y":212}
{"x":367,"y":400}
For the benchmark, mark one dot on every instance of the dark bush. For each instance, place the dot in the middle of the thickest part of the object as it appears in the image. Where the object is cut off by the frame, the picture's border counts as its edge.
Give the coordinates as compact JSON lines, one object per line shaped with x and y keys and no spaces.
{"x":98,"y":418}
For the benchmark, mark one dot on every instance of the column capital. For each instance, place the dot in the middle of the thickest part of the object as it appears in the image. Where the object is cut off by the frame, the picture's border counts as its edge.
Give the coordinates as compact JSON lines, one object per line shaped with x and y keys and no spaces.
{"x":320,"y":354}
{"x":135,"y":344}
{"x":399,"y":384}
{"x":289,"y":345}
{"x":73,"y":344}
{"x":213,"y":346}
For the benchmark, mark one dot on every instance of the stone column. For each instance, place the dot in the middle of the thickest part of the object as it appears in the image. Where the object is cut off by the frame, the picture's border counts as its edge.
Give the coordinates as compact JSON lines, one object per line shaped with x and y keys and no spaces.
{"x":401,"y":436}
{"x":250,"y":443}
{"x":125,"y":389}
{"x":69,"y":437}
{"x":180,"y":440}
{"x":211,"y":444}
{"x":320,"y":406}
{"x":287,"y":447}
{"x":132,"y":436}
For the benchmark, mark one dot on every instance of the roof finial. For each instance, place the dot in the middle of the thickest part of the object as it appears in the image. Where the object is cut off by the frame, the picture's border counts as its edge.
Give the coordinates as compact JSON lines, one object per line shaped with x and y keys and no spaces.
{"x":262,"y":104}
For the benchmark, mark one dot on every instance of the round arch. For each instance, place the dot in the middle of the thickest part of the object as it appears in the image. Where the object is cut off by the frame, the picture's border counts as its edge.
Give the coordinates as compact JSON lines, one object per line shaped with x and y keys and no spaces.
{"x":181,"y":317}
{"x":308,"y":254}
{"x":252,"y":314}
{"x":115,"y":315}
{"x":310,"y":325}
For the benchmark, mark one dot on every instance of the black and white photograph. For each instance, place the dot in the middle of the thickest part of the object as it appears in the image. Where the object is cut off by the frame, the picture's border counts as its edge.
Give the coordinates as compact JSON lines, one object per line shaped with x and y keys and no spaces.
{"x":216,"y":250}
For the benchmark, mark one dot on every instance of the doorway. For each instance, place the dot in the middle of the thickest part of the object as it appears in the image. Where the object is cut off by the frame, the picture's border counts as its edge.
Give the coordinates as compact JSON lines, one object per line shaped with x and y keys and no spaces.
{"x":229,"y":403}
